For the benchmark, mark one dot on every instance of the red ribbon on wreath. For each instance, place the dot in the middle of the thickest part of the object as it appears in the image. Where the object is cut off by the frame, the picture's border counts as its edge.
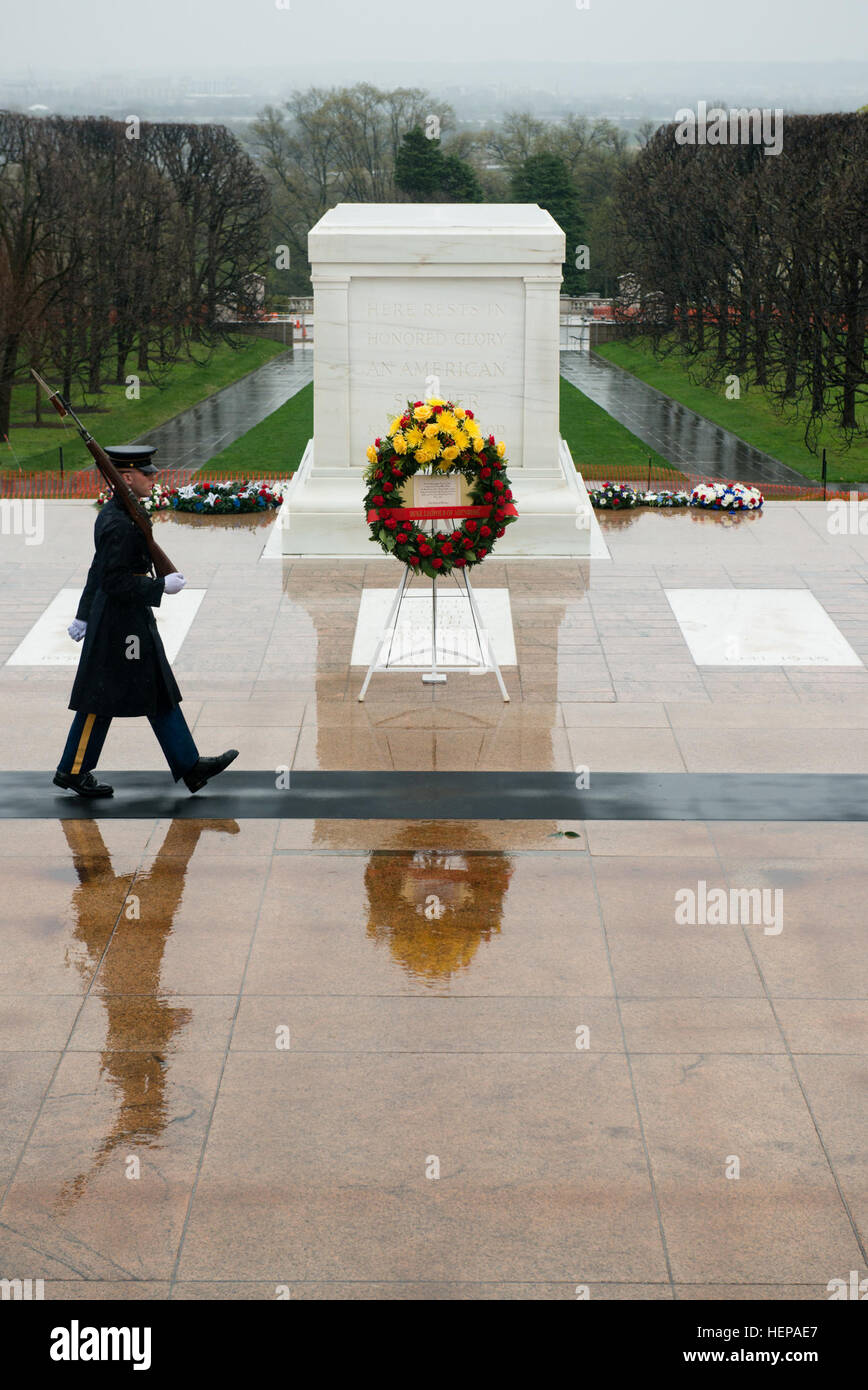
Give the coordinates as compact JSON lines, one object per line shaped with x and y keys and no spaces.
{"x":492,"y":508}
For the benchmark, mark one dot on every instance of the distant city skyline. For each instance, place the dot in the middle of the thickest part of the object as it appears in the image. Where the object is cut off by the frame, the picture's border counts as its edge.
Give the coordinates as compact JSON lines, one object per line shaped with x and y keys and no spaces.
{"x":480,"y":93}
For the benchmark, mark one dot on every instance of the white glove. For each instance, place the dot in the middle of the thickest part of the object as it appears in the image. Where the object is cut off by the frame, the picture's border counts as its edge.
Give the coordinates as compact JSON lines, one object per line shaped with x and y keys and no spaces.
{"x":77,"y":629}
{"x":174,"y":583}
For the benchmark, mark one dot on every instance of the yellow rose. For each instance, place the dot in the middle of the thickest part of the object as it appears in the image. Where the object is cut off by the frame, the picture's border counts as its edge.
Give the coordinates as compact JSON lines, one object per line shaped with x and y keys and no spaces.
{"x":432,"y":431}
{"x":395,"y":425}
{"x":422,"y":412}
{"x":501,"y":449}
{"x":422,"y":455}
{"x":450,"y":453}
{"x":435,"y":400}
{"x":460,"y":414}
{"x":478,"y":444}
{"x":399,"y":444}
{"x":413,"y":437}
{"x":372,"y":454}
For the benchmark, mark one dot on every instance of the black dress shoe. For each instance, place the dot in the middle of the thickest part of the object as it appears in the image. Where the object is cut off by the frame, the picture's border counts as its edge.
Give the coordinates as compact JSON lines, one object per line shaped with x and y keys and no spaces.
{"x":206,"y":768}
{"x":84,"y":783}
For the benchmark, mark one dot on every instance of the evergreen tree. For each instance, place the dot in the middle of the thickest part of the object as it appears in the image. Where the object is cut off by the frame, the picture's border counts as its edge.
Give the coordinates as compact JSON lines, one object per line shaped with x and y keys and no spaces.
{"x":544,"y":179}
{"x":426,"y":174}
{"x":418,"y":164}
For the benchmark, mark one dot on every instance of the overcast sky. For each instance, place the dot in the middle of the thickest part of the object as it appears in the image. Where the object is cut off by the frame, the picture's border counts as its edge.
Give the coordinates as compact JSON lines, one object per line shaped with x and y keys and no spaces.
{"x":196,"y":36}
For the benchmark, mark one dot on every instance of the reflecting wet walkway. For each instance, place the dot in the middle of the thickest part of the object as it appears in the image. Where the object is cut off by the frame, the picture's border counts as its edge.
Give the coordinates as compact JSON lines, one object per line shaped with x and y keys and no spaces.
{"x":475,"y":1059}
{"x":680,"y":435}
{"x":191,"y":439}
{"x":443,"y":1060}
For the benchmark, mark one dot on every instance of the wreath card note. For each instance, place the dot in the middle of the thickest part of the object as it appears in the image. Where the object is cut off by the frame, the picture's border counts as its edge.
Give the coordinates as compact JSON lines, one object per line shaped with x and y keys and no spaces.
{"x":436,"y":491}
{"x":439,"y":490}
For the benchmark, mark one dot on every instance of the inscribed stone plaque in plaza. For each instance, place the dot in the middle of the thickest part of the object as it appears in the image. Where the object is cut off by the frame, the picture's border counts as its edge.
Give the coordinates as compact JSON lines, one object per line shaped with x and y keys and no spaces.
{"x":467,"y":334}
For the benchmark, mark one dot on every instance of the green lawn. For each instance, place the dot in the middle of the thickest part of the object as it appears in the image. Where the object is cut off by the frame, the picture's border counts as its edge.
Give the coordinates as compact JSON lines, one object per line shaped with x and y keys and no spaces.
{"x":752,"y":418}
{"x":125,"y":420}
{"x":601,"y":447}
{"x":274,"y":447}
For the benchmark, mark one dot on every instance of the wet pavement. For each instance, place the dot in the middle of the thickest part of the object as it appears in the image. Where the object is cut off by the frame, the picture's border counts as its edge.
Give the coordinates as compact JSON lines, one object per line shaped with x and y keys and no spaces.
{"x":451,"y":1061}
{"x":686,"y":439}
{"x":465,"y":1060}
{"x":190,"y":440}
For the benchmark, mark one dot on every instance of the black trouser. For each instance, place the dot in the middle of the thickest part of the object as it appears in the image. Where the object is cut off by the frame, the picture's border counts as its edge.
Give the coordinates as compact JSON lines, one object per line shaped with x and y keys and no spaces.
{"x":88,"y":733}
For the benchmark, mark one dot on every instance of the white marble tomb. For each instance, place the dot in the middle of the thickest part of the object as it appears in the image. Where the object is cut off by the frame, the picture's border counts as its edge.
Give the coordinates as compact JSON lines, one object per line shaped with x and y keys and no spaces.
{"x":457,"y":300}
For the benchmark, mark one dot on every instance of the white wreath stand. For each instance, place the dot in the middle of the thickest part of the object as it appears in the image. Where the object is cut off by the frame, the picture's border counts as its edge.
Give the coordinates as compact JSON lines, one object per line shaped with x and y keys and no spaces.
{"x":431,"y":675}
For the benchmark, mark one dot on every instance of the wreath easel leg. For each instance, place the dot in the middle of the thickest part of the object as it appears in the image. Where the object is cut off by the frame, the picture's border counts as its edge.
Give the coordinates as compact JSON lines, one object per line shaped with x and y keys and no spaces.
{"x":388,"y":631}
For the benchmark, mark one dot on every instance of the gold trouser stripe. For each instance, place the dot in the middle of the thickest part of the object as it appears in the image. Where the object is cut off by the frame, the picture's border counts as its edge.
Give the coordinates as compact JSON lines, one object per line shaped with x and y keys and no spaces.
{"x":82,"y":745}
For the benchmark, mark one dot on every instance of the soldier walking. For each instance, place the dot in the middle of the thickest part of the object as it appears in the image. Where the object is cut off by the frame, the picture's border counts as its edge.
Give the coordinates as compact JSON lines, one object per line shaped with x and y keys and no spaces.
{"x":124,"y":671}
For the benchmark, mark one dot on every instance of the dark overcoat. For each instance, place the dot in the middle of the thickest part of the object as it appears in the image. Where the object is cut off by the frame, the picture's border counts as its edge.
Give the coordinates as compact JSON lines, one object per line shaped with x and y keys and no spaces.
{"x":123,"y":670}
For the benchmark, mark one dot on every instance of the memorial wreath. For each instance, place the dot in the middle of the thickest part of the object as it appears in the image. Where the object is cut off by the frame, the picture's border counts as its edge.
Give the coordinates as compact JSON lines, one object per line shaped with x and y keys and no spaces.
{"x":437,"y":437}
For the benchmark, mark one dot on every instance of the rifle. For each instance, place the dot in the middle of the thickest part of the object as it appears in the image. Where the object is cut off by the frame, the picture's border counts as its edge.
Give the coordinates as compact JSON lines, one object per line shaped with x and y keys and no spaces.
{"x":112,"y":474}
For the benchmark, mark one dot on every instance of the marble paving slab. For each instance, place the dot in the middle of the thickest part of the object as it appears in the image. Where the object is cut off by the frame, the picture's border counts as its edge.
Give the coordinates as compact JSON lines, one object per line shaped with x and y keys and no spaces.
{"x":759,"y":627}
{"x":48,"y":643}
{"x":457,"y":648}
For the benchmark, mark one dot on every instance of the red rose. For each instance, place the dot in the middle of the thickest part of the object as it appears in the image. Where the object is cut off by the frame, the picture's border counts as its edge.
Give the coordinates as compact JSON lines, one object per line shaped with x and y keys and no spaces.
{"x":388,"y":485}
{"x":437,"y":564}
{"x":397,"y":470}
{"x":501,"y":531}
{"x":415,"y":403}
{"x":438,"y":410}
{"x":379,"y":473}
{"x":459,"y":562}
{"x":413,"y":560}
{"x":498,"y":485}
{"x":377,"y":443}
{"x":469,"y":414}
{"x":491,"y":439}
{"x":508,"y":494}
{"x":481,"y":551}
{"x":401,"y":538}
{"x":447,"y":549}
{"x":379,"y":500}
{"x":485,"y":530}
{"x":485,"y":472}
{"x":390,"y":524}
{"x":470,"y":526}
{"x":489,"y":497}
{"x":405,"y":420}
{"x":499,"y":513}
{"x":467,"y":541}
{"x":425,"y":550}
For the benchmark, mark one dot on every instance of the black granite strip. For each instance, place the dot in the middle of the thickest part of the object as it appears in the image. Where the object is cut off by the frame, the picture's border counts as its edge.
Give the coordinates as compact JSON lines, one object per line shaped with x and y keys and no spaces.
{"x":690,"y":796}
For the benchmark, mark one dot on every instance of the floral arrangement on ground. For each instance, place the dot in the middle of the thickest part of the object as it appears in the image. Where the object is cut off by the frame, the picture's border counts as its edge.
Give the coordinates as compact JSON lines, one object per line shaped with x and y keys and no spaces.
{"x":212,"y":498}
{"x":720,"y":497}
{"x":437,"y":436}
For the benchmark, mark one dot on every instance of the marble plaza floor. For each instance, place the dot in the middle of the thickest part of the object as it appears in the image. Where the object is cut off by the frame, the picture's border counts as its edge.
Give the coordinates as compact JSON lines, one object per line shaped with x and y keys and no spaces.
{"x":486,"y":1059}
